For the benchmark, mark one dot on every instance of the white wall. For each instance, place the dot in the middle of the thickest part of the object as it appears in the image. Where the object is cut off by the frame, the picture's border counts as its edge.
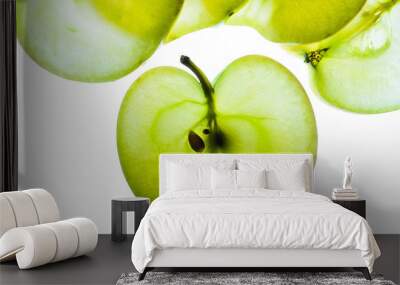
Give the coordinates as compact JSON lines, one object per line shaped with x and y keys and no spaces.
{"x":68,"y":145}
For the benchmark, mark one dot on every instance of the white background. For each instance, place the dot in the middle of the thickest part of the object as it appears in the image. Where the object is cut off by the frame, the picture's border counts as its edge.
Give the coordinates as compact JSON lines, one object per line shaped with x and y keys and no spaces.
{"x":68,"y":146}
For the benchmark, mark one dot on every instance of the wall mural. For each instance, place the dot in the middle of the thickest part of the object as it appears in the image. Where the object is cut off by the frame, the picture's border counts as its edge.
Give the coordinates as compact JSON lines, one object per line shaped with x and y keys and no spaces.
{"x":254,"y":105}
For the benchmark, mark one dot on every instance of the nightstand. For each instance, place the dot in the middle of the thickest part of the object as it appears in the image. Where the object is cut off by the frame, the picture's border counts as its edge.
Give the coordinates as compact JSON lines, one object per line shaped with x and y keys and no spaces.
{"x":119,"y":207}
{"x":357,"y":206}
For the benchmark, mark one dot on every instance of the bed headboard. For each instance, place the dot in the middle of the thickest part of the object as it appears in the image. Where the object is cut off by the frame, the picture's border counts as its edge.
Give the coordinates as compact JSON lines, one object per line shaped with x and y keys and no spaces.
{"x":164,"y":158}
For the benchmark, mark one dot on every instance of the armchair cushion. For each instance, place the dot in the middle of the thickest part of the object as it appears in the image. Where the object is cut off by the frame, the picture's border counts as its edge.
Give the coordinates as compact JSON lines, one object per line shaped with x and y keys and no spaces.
{"x":27,"y":208}
{"x":31,"y":230}
{"x":40,"y":244}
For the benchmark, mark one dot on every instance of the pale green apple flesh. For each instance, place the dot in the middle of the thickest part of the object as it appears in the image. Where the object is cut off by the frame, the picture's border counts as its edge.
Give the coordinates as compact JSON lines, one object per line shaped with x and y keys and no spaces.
{"x":362,"y":75}
{"x":297,"y":21}
{"x":93,"y":40}
{"x":255,"y":106}
{"x":199,"y":14}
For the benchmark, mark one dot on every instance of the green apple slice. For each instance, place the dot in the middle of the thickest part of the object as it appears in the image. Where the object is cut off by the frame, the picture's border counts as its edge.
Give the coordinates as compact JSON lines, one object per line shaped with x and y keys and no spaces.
{"x":370,"y":13}
{"x":262,"y":108}
{"x":199,"y":14}
{"x":362,"y":75}
{"x":255,"y":106}
{"x":156,"y":116}
{"x":93,"y":40}
{"x":297,"y":21}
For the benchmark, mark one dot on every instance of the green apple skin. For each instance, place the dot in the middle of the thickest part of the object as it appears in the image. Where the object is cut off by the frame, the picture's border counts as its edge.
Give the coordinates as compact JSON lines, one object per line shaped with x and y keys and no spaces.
{"x":257,"y":105}
{"x":297,"y":21}
{"x":362,"y":75}
{"x":93,"y":40}
{"x":370,"y":13}
{"x":199,"y":14}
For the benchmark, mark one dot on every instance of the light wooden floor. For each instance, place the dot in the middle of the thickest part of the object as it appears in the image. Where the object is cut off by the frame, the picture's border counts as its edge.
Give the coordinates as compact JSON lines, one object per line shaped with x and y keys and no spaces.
{"x":110,"y":260}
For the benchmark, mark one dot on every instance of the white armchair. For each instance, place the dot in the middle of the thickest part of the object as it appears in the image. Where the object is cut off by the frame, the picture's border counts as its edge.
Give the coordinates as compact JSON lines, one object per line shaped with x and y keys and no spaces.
{"x":31,"y":230}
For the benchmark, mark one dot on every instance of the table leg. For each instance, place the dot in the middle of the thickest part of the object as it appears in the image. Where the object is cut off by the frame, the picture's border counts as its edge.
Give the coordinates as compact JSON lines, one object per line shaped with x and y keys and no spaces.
{"x":118,"y":222}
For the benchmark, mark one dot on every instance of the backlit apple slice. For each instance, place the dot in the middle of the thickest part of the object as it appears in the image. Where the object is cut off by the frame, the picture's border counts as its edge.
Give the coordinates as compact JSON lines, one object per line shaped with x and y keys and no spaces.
{"x":93,"y":40}
{"x":297,"y":21}
{"x":199,"y":14}
{"x":255,"y":106}
{"x":362,"y":75}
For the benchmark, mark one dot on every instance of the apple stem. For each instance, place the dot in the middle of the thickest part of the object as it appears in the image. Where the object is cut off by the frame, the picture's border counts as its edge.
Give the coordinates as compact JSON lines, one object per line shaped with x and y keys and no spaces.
{"x":205,"y":83}
{"x":215,"y":134}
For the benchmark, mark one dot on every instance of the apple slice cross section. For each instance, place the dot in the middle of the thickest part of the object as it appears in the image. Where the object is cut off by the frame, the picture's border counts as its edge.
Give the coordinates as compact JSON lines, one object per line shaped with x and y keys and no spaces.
{"x":256,"y":105}
{"x":93,"y":40}
{"x":199,"y":14}
{"x":297,"y":21}
{"x":362,"y":74}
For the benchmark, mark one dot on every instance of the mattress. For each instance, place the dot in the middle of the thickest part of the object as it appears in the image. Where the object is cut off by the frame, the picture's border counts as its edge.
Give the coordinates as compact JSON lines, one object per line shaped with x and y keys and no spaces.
{"x":250,"y":219}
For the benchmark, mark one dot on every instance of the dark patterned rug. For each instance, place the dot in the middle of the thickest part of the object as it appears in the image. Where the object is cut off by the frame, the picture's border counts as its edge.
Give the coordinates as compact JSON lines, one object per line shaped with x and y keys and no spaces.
{"x":243,"y":278}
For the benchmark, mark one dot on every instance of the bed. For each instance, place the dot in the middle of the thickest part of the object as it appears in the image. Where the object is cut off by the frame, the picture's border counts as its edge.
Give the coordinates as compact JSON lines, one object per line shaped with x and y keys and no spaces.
{"x":202,"y":220}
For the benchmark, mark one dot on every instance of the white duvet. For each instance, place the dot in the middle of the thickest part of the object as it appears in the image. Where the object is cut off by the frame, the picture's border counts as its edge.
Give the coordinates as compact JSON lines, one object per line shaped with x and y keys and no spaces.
{"x":252,"y":218}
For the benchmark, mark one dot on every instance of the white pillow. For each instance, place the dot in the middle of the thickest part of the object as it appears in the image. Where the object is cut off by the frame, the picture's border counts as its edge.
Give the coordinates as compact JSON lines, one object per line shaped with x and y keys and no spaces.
{"x":228,"y":179}
{"x":182,"y":177}
{"x":251,"y":178}
{"x":223,"y":179}
{"x":294,"y":179}
{"x":281,"y":174}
